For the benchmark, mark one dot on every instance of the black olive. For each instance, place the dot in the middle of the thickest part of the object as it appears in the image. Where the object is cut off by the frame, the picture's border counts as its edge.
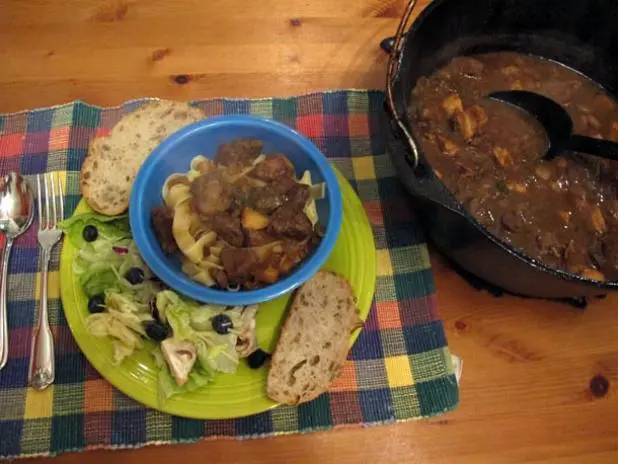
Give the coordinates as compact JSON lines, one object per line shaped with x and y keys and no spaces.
{"x":257,"y":358}
{"x":135,"y":276}
{"x":90,"y":233}
{"x":157,"y":331}
{"x":222,"y":323}
{"x":96,"y":304}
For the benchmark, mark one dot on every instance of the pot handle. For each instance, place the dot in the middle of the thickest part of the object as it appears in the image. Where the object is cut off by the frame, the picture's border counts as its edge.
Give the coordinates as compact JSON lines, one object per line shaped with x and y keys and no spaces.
{"x":394,"y":60}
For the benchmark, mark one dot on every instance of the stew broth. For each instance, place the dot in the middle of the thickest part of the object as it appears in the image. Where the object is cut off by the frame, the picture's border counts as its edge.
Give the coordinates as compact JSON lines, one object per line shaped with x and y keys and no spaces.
{"x":489,"y":154}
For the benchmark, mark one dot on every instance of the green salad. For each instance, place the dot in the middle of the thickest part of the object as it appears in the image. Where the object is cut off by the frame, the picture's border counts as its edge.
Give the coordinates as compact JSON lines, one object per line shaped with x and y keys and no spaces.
{"x":190,"y":342}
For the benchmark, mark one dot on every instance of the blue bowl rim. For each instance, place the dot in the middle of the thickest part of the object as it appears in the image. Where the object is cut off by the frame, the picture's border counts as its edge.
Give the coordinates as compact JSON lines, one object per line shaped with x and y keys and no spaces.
{"x":175,"y":279}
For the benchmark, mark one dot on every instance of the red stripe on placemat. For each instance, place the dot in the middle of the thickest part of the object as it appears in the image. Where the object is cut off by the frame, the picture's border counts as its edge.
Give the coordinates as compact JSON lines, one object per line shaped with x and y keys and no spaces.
{"x":387,"y":313}
{"x":65,"y":343}
{"x":108,"y":119}
{"x":310,"y":104}
{"x":345,"y":407}
{"x":397,"y":210}
{"x":358,"y":125}
{"x":347,"y":380}
{"x":220,"y":428}
{"x":213,"y":108}
{"x":98,"y":396}
{"x":336,"y":125}
{"x":20,"y":342}
{"x":374,"y":213}
{"x":59,"y":139}
{"x":12,"y":144}
{"x":9,"y":163}
{"x":81,"y":136}
{"x":91,"y":373}
{"x":418,"y":311}
{"x":371,"y":323}
{"x":97,"y":429}
{"x":36,"y":142}
{"x":28,"y":238}
{"x":311,"y":125}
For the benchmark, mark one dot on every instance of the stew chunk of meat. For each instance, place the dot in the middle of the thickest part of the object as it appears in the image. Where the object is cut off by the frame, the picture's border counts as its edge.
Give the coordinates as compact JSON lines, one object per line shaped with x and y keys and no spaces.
{"x":289,"y":222}
{"x":210,"y":194}
{"x":273,"y":167}
{"x":238,"y":263}
{"x":228,"y":228}
{"x":268,"y":199}
{"x":239,"y":152}
{"x":162,"y":220}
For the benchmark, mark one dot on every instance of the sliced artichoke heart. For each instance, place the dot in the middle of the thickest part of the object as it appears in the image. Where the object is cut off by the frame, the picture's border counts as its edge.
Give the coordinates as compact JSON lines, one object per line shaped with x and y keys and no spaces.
{"x":180,"y":356}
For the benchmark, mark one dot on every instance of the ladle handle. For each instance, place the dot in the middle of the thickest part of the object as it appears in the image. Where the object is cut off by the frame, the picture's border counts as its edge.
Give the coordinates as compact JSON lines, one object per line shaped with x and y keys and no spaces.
{"x":4,"y":325}
{"x":597,"y":147}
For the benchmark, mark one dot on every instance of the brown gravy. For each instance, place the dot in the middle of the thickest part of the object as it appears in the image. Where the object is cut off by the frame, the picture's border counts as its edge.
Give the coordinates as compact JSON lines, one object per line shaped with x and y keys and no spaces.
{"x":565,"y":211}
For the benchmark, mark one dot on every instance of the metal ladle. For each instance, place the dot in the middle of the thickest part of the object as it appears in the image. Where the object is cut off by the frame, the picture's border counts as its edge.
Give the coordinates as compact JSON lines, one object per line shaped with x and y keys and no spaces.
{"x":557,"y":124}
{"x":16,"y":214}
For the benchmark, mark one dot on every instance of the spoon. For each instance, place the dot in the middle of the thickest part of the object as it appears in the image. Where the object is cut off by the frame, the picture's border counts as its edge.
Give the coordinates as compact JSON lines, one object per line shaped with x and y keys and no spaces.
{"x":557,"y":124}
{"x":16,"y":213}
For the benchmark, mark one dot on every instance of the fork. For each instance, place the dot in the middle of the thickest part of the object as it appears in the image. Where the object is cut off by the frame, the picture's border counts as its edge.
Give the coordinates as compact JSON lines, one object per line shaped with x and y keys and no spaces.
{"x":41,"y":373}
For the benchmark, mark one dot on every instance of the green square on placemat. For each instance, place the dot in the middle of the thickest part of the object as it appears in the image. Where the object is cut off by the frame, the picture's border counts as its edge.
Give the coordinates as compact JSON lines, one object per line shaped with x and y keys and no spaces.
{"x":399,"y":369}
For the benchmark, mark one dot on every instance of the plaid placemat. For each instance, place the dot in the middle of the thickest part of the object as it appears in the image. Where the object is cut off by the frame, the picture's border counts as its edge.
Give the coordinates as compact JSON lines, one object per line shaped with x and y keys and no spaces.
{"x":399,"y":369}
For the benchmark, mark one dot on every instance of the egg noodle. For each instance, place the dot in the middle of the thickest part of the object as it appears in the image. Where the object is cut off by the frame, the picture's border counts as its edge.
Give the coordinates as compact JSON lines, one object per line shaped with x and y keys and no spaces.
{"x":199,"y":246}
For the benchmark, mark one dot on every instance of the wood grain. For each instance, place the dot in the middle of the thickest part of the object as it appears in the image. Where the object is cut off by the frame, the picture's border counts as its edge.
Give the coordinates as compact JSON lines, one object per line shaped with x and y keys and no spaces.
{"x":525,"y":392}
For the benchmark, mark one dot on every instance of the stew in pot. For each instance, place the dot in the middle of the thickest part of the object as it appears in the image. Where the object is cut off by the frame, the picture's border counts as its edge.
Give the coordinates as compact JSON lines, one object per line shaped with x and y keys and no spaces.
{"x":563,"y":212}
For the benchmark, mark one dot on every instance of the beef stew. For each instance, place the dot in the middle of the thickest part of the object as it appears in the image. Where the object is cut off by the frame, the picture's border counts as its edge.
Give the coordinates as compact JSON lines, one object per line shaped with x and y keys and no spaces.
{"x":563,"y":212}
{"x":242,"y":220}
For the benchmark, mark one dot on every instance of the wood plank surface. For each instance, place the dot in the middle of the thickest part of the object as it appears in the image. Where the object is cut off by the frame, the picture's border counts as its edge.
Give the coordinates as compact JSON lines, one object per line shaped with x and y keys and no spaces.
{"x":528,"y":365}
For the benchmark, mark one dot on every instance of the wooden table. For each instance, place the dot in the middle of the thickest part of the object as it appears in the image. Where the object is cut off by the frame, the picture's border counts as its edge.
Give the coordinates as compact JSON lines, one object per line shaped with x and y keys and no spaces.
{"x":528,"y":365}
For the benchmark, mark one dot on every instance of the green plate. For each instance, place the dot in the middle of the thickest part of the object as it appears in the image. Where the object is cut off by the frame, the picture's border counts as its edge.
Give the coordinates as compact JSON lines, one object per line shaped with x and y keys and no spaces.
{"x":230,"y":395}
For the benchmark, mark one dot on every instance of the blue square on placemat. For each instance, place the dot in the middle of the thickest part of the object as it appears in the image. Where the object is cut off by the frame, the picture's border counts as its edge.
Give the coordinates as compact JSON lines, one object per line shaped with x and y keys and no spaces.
{"x":21,"y":313}
{"x":432,"y":395}
{"x":315,"y":415}
{"x":15,"y":373}
{"x":254,"y":425}
{"x":336,"y":146}
{"x":414,"y":284}
{"x":335,"y":103}
{"x":424,"y":337}
{"x":40,"y":121}
{"x":10,"y":429}
{"x":24,"y":260}
{"x":67,"y":432}
{"x":129,"y":427}
{"x":75,"y":158}
{"x":186,"y":429}
{"x":376,"y":404}
{"x":72,"y":369}
{"x":33,"y":163}
{"x":367,"y":346}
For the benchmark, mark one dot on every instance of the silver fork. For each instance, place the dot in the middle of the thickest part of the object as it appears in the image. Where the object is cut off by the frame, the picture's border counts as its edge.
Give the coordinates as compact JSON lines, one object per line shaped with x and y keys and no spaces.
{"x":51,"y":211}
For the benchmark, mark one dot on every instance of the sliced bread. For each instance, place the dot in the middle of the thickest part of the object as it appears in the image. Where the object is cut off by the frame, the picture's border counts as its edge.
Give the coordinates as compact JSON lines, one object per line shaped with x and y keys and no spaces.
{"x":314,"y":339}
{"x":112,"y":163}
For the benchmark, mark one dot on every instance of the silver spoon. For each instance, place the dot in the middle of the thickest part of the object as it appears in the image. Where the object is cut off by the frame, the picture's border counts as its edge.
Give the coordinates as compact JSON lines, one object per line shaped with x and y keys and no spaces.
{"x":16,"y":214}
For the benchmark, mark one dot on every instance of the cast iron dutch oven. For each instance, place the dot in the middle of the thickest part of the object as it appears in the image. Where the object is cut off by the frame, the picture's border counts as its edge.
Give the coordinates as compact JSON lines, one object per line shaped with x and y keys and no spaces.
{"x":580,"y":34}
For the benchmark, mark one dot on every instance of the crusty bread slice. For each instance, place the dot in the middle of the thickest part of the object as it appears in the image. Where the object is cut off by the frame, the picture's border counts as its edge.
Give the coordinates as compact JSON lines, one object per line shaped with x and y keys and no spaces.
{"x":314,"y":340}
{"x":112,"y":163}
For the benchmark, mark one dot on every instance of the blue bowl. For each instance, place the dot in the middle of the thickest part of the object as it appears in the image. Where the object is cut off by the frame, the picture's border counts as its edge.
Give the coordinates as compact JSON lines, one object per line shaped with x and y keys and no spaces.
{"x":174,"y":154}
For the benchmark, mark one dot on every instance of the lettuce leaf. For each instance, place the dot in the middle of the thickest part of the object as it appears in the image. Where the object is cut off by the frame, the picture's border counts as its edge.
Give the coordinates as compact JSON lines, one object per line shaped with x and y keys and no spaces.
{"x":193,"y":322}
{"x":168,"y":387}
{"x":109,"y":227}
